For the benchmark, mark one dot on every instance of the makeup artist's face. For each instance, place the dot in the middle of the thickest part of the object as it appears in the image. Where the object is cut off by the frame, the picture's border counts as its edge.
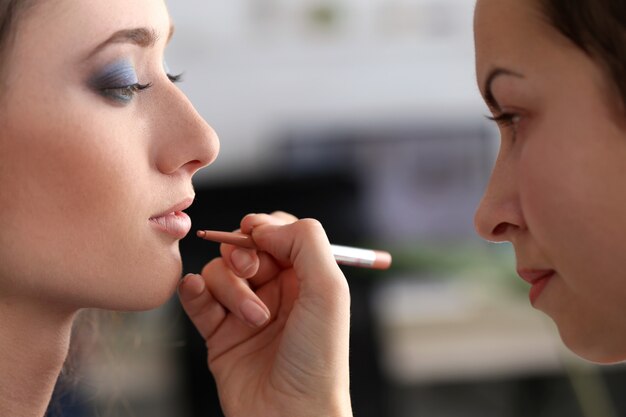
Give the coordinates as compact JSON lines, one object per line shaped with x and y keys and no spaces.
{"x":90,"y":167}
{"x":558,"y":190}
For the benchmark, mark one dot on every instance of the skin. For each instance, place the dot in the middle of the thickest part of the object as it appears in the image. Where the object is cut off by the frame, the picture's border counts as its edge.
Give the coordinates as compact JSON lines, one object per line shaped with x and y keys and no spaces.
{"x":557,"y":189}
{"x":82,"y":173}
{"x":295,"y":363}
{"x":77,"y":166}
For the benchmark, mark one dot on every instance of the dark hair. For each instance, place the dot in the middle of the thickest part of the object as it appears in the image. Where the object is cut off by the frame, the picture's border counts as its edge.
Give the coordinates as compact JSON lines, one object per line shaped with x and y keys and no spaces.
{"x":598,"y":27}
{"x":8,"y":11}
{"x":9,"y":14}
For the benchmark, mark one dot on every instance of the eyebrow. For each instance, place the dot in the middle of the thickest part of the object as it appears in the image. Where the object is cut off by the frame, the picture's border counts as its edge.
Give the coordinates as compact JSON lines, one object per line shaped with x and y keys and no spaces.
{"x":495,"y":73}
{"x":144,"y":37}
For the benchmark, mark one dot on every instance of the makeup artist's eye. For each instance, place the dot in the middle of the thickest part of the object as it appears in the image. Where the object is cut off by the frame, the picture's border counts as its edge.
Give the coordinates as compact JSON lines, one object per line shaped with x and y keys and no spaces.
{"x":126,"y":93}
{"x":507,"y":121}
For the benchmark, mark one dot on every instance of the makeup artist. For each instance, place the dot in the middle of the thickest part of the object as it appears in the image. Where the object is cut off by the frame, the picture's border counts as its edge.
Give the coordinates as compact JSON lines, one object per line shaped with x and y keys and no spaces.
{"x":97,"y":150}
{"x":553,"y":73}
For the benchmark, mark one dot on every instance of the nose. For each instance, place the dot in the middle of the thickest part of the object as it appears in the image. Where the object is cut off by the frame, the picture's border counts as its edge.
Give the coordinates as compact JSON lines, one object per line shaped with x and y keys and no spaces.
{"x":187,"y":142}
{"x":499,"y":215}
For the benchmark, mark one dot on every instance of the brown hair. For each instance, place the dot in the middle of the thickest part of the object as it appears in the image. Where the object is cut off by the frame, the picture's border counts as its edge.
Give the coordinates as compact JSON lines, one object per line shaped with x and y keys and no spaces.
{"x":598,"y":27}
{"x":10,"y":11}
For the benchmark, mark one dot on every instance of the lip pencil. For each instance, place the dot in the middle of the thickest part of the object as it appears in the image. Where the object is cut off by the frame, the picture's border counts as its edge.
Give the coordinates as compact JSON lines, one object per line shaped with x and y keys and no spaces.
{"x":344,"y":255}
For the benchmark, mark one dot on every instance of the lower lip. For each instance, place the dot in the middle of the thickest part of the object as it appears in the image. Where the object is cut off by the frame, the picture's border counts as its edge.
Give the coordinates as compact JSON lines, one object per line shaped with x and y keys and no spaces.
{"x":175,"y":224}
{"x":538,"y":287}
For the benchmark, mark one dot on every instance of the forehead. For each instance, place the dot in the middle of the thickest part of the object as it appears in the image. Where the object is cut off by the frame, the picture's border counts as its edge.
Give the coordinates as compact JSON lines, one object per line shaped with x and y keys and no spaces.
{"x":74,"y":23}
{"x":513,"y":33}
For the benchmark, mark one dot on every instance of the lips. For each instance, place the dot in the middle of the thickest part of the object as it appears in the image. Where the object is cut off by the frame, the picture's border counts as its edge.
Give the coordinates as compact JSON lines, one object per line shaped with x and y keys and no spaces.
{"x":174,"y":221}
{"x":538,"y":278}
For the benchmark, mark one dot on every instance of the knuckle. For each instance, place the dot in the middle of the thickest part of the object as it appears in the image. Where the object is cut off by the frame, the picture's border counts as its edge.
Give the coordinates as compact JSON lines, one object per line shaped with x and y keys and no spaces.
{"x":283,"y":215}
{"x":310,"y":226}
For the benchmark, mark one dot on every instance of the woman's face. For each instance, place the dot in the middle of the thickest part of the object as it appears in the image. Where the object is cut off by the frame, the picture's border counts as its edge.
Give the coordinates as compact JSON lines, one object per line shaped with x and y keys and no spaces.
{"x":558,"y":189}
{"x":94,"y":173}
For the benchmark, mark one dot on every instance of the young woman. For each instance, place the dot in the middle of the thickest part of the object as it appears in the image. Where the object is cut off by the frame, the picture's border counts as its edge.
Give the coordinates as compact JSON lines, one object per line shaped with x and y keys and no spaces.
{"x":97,"y":151}
{"x":553,"y":72}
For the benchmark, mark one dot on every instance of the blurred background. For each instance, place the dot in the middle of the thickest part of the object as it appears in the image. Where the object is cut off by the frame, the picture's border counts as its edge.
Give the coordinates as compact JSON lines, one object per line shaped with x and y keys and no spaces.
{"x":364,"y":114}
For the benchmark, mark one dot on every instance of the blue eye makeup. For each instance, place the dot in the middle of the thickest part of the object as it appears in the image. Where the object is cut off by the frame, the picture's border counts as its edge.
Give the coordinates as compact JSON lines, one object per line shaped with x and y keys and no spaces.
{"x":118,"y":81}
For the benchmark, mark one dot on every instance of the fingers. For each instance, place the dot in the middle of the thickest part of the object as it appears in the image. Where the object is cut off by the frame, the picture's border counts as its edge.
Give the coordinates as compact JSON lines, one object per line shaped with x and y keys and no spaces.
{"x":234,"y":293}
{"x":207,"y":299}
{"x":277,"y":218}
{"x":283,"y":242}
{"x":245,"y":262}
{"x":203,"y":310}
{"x":304,"y":245}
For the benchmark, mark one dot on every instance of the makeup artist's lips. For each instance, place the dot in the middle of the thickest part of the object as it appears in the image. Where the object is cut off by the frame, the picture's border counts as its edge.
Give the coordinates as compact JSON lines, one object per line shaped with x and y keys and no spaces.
{"x":538,"y":278}
{"x":174,"y":221}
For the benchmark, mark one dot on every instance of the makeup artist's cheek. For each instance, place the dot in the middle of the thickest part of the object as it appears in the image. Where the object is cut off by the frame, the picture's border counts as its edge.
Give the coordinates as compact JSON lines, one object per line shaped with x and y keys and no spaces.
{"x":522,"y":127}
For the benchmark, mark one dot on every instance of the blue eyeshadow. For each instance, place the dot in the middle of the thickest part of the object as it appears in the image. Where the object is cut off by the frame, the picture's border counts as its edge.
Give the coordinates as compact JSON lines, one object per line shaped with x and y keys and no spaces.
{"x":118,"y":74}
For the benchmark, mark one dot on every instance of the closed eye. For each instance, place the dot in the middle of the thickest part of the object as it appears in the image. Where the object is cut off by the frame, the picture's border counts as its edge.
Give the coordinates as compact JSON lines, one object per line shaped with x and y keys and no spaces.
{"x":505,"y":119}
{"x":124,"y":94}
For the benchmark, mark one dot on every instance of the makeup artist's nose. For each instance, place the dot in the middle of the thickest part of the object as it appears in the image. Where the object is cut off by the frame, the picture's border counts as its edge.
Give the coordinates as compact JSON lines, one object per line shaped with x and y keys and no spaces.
{"x":187,"y":142}
{"x":499,"y":215}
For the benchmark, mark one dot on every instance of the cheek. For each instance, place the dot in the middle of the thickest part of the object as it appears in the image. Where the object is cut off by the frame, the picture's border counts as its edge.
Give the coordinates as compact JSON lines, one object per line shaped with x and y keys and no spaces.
{"x":573,"y":200}
{"x":571,"y":190}
{"x":65,"y":177}
{"x":75,"y":212}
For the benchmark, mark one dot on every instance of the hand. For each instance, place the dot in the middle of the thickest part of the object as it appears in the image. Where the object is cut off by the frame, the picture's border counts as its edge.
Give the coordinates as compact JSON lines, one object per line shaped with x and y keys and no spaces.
{"x":275,"y":321}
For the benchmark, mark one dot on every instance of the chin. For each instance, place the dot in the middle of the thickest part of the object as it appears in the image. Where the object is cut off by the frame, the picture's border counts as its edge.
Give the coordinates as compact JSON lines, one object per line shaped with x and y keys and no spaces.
{"x":594,"y":348}
{"x":148,"y":289}
{"x":154,"y":299}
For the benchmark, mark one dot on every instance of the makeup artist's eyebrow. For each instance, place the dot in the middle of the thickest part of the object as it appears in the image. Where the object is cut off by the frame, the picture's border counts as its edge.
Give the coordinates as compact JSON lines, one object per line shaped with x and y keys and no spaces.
{"x":495,"y":73}
{"x":144,"y":37}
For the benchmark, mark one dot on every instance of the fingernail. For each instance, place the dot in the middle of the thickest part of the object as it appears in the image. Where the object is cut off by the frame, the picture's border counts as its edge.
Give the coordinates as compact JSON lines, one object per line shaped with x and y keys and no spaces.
{"x":253,"y":313}
{"x":242,"y":261}
{"x":184,"y":283}
{"x":183,"y":279}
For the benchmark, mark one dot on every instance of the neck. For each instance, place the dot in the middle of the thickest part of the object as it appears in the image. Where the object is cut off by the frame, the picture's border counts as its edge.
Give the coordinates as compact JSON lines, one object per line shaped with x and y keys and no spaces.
{"x":34,"y":342}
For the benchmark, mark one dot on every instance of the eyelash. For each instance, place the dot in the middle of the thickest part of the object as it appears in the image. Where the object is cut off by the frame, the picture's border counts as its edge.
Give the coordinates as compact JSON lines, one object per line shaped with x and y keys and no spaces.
{"x":505,"y":119}
{"x":175,"y":78}
{"x":125,"y":94}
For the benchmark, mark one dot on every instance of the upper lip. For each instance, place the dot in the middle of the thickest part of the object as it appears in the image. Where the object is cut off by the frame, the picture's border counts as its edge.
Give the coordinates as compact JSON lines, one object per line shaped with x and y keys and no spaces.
{"x":184,"y":204}
{"x":533,"y":275}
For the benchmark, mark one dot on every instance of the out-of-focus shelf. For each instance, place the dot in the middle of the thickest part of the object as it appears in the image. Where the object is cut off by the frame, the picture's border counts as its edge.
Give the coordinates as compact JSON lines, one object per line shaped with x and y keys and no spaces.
{"x":452,"y":332}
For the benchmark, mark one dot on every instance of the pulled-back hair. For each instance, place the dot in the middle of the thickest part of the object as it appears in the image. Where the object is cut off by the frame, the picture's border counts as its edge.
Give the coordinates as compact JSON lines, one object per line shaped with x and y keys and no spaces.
{"x":8,"y":14}
{"x":598,"y":27}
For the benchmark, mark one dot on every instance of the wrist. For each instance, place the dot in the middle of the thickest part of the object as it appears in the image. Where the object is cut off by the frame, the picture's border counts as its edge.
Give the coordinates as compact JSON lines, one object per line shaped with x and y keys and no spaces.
{"x":342,"y":407}
{"x":324,"y":406}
